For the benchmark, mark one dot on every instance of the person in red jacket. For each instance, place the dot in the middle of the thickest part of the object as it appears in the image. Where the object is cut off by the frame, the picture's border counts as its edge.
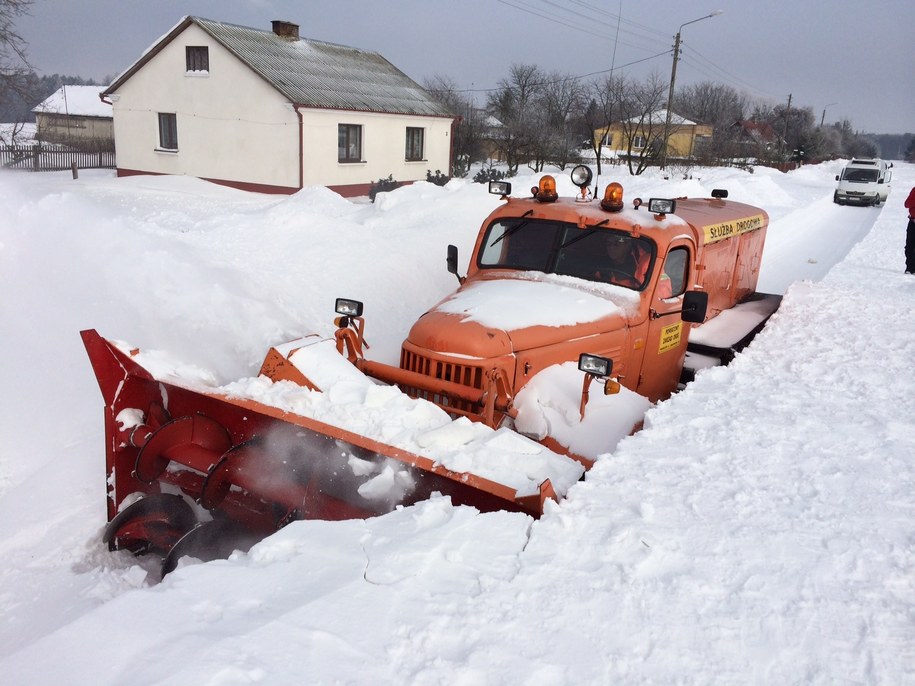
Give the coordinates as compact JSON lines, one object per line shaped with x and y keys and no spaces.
{"x":910,"y":234}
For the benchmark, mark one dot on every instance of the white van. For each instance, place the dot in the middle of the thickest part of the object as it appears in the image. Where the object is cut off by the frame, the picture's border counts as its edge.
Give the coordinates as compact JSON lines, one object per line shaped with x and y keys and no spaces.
{"x":864,"y":182}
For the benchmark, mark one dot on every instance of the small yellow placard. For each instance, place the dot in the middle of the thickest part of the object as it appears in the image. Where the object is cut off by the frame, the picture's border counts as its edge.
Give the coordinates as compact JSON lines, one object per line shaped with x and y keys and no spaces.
{"x":670,"y":337}
{"x":718,"y":232}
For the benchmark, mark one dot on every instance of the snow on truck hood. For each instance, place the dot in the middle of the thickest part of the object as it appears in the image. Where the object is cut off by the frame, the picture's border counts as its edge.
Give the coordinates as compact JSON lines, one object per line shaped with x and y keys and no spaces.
{"x":523,"y":300}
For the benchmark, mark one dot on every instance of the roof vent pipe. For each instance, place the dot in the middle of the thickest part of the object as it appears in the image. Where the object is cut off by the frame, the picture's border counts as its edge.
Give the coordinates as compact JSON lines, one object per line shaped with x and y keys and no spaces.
{"x":285,"y":29}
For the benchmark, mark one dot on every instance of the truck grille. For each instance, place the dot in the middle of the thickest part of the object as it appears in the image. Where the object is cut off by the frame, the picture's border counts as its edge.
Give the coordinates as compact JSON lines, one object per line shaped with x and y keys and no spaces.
{"x":464,"y":374}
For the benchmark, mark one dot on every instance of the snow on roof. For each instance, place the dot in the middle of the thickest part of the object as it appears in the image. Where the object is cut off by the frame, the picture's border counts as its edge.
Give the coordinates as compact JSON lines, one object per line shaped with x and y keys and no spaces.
{"x":312,"y":73}
{"x":660,"y":117}
{"x":82,"y":101}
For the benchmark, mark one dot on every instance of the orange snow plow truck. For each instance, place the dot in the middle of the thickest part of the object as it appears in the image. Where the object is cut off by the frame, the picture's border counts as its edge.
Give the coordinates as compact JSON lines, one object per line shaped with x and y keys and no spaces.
{"x":494,"y":402}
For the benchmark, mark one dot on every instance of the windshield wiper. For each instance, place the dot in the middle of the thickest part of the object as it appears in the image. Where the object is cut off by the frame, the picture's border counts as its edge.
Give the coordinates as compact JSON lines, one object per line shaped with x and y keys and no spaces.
{"x":584,"y":234}
{"x":512,"y":229}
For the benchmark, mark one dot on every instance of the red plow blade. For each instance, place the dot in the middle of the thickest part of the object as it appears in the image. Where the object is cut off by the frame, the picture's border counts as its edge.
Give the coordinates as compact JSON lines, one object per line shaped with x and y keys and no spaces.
{"x":256,"y":465}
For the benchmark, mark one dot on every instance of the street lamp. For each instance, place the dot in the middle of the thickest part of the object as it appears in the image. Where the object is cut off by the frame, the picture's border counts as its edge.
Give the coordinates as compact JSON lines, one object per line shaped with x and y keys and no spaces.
{"x":823,"y":118}
{"x":673,"y":77}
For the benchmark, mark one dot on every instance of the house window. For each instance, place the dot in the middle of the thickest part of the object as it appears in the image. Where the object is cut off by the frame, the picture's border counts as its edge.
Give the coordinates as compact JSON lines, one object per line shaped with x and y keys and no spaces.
{"x":414,"y":143}
{"x":168,"y":131}
{"x":638,"y":142}
{"x":349,"y":143}
{"x":198,"y":58}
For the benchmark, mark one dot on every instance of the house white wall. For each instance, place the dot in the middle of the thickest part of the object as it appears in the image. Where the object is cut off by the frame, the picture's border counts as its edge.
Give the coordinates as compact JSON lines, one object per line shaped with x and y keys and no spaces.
{"x":384,"y":138}
{"x":232,"y":125}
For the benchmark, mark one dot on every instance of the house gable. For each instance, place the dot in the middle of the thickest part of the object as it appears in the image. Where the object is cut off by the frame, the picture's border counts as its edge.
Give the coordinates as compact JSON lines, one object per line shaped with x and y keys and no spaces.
{"x":260,"y":110}
{"x":311,"y":73}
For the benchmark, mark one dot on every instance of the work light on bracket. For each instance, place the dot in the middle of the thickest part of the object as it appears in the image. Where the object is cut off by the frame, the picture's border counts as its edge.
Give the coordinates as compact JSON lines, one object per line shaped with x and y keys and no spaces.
{"x":661,"y":206}
{"x":348,"y":308}
{"x":581,"y":175}
{"x":595,"y":365}
{"x":503,"y":188}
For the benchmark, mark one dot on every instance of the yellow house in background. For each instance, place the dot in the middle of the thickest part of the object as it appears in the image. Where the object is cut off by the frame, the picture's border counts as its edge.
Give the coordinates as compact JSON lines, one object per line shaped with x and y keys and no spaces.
{"x":685,"y":139}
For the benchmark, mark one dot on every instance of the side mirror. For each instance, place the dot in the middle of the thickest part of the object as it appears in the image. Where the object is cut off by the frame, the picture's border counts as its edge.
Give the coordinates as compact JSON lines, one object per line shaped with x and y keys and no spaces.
{"x":452,"y":260}
{"x":837,"y":177}
{"x":695,"y":307}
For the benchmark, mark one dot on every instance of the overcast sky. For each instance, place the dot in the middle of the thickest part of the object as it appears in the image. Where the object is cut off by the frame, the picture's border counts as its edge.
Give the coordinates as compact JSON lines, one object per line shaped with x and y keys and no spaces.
{"x":842,"y":58}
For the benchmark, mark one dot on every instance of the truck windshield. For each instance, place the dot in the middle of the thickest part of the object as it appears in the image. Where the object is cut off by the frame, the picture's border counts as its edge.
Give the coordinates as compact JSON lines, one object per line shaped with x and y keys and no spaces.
{"x":595,"y":253}
{"x":862,"y":175}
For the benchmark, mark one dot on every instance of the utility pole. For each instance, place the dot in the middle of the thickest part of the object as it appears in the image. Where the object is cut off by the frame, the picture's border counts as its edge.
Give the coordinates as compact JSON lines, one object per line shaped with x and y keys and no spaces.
{"x":670,"y":99}
{"x":785,"y":128}
{"x":673,"y":78}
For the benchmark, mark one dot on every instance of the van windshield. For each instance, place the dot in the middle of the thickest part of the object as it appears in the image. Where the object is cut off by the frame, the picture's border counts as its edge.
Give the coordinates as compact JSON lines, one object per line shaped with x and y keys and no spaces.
{"x":860,"y":175}
{"x":595,"y":254}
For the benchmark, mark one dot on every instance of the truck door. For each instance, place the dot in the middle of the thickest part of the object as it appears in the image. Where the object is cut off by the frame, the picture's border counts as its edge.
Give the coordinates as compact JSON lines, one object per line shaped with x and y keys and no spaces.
{"x":666,"y":336}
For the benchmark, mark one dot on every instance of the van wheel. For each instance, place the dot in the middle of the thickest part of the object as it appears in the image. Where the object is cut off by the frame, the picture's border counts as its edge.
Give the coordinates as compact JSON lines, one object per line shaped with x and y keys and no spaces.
{"x":877,"y":200}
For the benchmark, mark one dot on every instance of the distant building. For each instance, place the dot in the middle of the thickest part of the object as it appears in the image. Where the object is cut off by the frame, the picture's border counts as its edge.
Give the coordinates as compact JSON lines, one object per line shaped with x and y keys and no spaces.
{"x":684,"y":141}
{"x":272,"y":112}
{"x":75,"y":115}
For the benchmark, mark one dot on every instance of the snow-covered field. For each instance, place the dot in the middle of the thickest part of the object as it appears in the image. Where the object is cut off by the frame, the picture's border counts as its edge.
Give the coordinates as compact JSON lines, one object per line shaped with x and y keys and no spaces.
{"x":759,"y":530}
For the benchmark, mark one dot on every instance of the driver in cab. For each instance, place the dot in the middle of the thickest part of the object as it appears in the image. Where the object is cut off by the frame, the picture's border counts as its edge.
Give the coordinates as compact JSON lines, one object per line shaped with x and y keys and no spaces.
{"x":624,"y":263}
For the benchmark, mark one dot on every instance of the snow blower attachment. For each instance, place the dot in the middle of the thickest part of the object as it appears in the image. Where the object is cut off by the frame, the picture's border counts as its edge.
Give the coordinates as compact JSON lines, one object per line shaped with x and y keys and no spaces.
{"x":201,"y":473}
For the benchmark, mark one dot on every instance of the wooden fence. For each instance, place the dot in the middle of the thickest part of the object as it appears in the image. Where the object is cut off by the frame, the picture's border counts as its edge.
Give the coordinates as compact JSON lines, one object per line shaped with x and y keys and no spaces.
{"x":54,"y":157}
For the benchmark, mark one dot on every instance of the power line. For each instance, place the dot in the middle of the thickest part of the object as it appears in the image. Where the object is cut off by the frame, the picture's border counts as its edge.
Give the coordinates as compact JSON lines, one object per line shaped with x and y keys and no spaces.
{"x":565,"y":21}
{"x":565,"y":78}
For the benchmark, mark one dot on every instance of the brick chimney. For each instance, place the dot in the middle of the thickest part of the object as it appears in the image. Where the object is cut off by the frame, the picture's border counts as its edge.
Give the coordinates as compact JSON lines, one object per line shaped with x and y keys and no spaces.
{"x":285,"y":29}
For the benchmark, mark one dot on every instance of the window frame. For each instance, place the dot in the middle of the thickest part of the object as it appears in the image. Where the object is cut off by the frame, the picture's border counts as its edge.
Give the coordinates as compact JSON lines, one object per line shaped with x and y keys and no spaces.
{"x":344,"y":135}
{"x":168,"y":131}
{"x":552,"y":246}
{"x":192,"y":55}
{"x":669,"y":263}
{"x":410,"y":144}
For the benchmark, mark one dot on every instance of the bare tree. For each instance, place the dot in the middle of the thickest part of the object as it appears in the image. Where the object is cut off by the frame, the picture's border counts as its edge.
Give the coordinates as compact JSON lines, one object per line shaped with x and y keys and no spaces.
{"x":605,"y":97}
{"x":719,"y":106}
{"x":14,"y":64}
{"x":563,"y":99}
{"x":514,"y":104}
{"x":468,"y":132}
{"x":642,"y":123}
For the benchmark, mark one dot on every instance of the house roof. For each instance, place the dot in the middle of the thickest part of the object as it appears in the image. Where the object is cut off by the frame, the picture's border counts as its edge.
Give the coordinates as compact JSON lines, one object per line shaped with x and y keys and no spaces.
{"x":761,"y":132}
{"x":660,"y":117}
{"x":311,"y":73}
{"x":80,"y":101}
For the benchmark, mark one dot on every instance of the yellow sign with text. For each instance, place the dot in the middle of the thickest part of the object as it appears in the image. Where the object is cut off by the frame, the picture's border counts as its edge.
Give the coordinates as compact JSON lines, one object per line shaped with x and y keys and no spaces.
{"x":670,"y":337}
{"x":718,"y":232}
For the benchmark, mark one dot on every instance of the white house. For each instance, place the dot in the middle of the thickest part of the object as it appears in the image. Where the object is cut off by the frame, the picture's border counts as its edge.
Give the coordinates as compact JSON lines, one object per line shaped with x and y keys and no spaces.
{"x":272,"y":112}
{"x":74,"y":115}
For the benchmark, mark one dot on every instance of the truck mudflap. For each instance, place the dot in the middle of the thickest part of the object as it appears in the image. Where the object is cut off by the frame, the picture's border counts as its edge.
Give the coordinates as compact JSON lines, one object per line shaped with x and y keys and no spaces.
{"x":719,"y":339}
{"x":181,"y":457}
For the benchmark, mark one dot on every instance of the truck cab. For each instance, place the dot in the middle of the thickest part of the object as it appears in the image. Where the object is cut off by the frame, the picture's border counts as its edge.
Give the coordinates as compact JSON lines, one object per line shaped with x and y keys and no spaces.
{"x":542,"y":288}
